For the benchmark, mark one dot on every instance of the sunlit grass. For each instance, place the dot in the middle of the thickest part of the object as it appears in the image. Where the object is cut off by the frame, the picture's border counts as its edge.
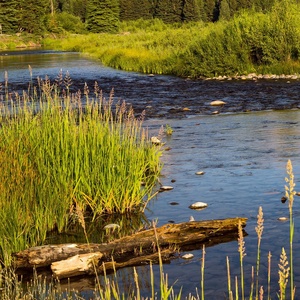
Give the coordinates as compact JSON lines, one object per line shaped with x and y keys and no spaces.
{"x":249,"y":42}
{"x":58,"y":150}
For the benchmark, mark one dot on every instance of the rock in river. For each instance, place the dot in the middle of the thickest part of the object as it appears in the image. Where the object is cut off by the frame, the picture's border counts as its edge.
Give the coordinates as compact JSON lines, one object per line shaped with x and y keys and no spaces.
{"x":200,"y":173}
{"x":198,"y":205}
{"x":187,"y":256}
{"x":165,"y":188}
{"x":217,"y":103}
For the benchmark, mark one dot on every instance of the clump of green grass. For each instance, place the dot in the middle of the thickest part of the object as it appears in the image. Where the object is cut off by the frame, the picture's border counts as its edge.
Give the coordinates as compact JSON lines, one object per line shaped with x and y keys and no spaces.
{"x":168,"y":130}
{"x":59,"y":149}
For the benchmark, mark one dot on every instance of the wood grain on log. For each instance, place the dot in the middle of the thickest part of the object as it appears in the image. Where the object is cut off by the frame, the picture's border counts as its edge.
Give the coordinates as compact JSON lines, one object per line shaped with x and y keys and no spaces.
{"x":129,"y":250}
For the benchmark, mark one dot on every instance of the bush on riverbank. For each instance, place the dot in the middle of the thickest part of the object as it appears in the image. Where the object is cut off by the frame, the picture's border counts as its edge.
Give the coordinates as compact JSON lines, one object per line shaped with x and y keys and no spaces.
{"x":250,"y":42}
{"x":63,"y":154}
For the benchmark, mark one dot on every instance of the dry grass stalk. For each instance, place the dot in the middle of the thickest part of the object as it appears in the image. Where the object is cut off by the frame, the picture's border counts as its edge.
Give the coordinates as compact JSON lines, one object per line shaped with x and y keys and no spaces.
{"x":269,"y":275}
{"x":242,"y":252}
{"x":283,"y":272}
{"x":290,"y":193}
{"x":259,"y":230}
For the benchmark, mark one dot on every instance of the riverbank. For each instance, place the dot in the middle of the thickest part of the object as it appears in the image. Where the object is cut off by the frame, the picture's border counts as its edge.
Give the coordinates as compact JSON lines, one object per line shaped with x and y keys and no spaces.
{"x":249,"y":43}
{"x":19,"y":41}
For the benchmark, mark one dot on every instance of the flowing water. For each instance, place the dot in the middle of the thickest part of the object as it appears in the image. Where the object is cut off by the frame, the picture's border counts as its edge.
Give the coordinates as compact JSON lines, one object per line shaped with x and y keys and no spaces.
{"x":243,"y":151}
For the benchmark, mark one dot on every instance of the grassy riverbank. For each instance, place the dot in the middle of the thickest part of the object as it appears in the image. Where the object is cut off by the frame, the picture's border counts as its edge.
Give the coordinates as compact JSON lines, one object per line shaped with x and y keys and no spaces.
{"x":251,"y":42}
{"x":60,"y":158}
{"x":19,"y":41}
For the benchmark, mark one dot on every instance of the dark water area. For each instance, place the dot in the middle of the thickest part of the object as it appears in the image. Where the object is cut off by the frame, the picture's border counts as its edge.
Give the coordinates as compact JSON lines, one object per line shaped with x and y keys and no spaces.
{"x":160,"y":96}
{"x":243,"y":151}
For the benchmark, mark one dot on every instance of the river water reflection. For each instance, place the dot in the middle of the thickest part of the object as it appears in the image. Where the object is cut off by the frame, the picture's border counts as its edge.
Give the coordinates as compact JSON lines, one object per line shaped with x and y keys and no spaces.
{"x":242,"y":153}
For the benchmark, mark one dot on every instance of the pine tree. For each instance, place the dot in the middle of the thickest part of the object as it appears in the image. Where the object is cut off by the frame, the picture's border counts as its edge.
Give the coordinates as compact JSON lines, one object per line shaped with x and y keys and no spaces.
{"x":242,"y":4}
{"x":143,"y":9}
{"x":224,"y":10}
{"x":170,"y":11}
{"x":135,"y":9}
{"x":232,"y":6}
{"x":191,"y":11}
{"x":210,"y":10}
{"x":9,"y":16}
{"x":79,"y":9}
{"x":200,"y":4}
{"x":263,"y":5}
{"x":32,"y":15}
{"x":126,"y":10}
{"x":102,"y":15}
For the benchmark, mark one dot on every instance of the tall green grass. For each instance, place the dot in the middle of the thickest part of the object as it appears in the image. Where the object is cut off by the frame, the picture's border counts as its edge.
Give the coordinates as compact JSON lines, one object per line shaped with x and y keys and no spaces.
{"x":59,"y":151}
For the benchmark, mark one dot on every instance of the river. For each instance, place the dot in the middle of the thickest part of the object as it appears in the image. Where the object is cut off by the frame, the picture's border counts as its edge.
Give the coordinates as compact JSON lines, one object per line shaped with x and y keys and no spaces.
{"x":243,"y":151}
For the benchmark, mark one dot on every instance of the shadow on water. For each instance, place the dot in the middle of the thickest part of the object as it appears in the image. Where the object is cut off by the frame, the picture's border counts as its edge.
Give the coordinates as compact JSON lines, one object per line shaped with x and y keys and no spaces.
{"x":243,"y":151}
{"x":96,"y":231}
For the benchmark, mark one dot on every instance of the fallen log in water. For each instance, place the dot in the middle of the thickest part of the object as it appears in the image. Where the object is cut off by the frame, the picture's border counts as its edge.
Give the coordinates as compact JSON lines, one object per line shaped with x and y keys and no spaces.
{"x":68,"y":260}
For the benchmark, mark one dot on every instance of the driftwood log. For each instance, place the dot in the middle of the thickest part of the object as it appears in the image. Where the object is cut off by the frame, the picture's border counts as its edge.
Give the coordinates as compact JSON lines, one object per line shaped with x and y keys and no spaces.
{"x":69,"y":260}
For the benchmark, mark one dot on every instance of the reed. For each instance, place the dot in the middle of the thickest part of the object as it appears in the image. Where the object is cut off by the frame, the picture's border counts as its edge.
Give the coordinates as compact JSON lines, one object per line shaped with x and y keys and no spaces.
{"x":259,"y":230}
{"x":290,"y":192}
{"x":202,"y":273}
{"x":283,"y":272}
{"x":242,"y":252}
{"x":59,"y":150}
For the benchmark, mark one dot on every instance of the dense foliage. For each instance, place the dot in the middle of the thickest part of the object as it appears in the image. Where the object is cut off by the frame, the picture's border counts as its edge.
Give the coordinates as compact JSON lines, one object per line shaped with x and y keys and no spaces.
{"x":105,"y":15}
{"x":249,"y":42}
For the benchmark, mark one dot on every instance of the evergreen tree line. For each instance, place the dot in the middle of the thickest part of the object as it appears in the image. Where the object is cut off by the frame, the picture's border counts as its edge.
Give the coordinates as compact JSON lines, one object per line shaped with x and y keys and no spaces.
{"x":37,"y":16}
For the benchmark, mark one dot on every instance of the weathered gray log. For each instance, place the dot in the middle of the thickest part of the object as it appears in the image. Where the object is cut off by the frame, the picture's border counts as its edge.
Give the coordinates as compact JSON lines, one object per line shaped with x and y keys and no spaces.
{"x":90,"y":263}
{"x":129,"y":250}
{"x":76,"y":265}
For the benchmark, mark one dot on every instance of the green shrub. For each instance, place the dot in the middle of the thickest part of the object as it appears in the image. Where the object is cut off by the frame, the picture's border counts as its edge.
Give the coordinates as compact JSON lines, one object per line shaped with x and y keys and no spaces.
{"x":70,"y":23}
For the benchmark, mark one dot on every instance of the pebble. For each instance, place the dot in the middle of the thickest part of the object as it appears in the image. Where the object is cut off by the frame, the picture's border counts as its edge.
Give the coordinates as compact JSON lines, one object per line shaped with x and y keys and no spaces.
{"x":166,"y":188}
{"x":198,"y":205}
{"x":187,"y":256}
{"x":186,"y":109}
{"x":217,"y":103}
{"x":283,"y":218}
{"x":200,"y":173}
{"x":283,"y":199}
{"x":216,"y":112}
